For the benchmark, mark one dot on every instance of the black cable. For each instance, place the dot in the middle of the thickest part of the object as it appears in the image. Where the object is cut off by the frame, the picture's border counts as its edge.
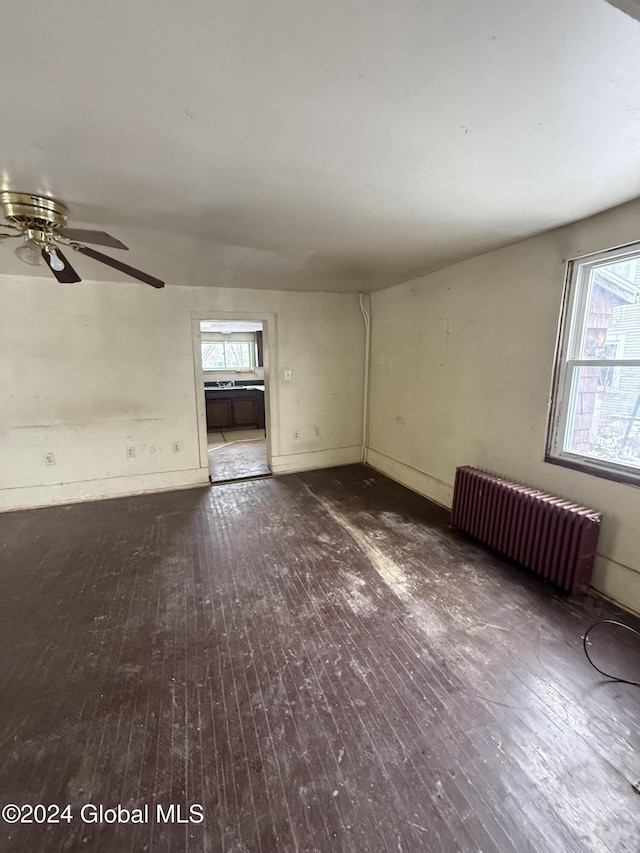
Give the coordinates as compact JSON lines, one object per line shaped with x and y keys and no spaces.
{"x":586,"y":651}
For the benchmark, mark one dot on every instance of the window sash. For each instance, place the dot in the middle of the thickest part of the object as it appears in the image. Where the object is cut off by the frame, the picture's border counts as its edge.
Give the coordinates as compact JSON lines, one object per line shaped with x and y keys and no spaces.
{"x":250,"y":348}
{"x":571,"y":335}
{"x":602,"y":362}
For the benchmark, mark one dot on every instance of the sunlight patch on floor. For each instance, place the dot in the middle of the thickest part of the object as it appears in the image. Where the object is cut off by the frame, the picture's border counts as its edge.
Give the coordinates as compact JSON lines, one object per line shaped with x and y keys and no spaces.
{"x":219,"y":439}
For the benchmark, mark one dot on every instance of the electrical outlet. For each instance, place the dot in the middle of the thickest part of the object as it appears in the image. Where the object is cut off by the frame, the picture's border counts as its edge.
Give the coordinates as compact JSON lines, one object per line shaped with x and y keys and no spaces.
{"x":317,"y":432}
{"x":296,"y":434}
{"x":131,"y":452}
{"x":176,"y":447}
{"x":50,"y":459}
{"x":287,"y":374}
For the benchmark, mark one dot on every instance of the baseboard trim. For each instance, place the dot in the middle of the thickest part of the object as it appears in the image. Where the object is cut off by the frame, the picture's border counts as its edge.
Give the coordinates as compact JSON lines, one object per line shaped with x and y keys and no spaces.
{"x":418,"y":481}
{"x":33,"y":497}
{"x":313,"y":459}
{"x":617,"y":583}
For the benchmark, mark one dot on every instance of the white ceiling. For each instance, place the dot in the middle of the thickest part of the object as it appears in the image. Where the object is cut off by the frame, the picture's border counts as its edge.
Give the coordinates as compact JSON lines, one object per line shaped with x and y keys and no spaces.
{"x":325,"y":144}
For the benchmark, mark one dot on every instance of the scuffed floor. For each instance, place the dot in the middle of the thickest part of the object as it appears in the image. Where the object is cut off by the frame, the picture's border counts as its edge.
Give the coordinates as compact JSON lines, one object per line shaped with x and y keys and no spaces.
{"x":237,"y":455}
{"x":317,"y":662}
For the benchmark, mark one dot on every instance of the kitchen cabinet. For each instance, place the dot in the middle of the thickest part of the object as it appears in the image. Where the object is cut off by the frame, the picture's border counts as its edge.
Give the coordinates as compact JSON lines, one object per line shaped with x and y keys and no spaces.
{"x":234,"y":408}
{"x":244,"y":412}
{"x":219,"y":414}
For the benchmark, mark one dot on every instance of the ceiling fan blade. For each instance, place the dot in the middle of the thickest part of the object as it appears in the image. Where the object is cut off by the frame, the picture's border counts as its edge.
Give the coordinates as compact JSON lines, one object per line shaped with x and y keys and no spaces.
{"x":118,"y":265}
{"x":65,"y":276}
{"x":100,"y":238}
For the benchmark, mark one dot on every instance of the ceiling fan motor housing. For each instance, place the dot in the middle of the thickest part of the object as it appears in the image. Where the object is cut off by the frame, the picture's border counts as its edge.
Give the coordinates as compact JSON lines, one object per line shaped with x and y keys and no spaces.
{"x":32,"y":212}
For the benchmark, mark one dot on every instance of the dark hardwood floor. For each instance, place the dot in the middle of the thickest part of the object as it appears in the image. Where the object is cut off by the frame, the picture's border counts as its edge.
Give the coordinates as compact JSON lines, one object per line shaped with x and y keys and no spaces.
{"x":315,"y":659}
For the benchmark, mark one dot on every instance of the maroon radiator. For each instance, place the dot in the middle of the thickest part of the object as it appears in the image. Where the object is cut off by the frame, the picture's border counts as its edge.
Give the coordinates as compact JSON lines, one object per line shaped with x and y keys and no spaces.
{"x":555,"y":538}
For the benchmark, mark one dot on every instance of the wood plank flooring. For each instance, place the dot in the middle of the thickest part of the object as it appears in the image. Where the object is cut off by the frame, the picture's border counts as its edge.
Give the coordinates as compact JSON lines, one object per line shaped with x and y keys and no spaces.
{"x":238,"y":460}
{"x":315,"y":659}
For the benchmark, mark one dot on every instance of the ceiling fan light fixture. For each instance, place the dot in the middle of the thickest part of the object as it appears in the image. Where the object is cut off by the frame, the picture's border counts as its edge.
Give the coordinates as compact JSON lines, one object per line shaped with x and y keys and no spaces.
{"x":30,"y":253}
{"x":54,"y":260}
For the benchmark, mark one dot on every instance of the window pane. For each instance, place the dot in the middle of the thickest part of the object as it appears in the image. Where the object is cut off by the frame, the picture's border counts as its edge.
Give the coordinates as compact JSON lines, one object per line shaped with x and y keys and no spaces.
{"x":604,"y":414}
{"x":610,"y":306}
{"x":237,"y":355}
{"x":212,"y":355}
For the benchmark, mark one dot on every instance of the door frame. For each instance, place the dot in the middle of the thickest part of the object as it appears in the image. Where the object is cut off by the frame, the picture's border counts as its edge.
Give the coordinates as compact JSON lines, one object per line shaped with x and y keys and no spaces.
{"x":271,"y":402}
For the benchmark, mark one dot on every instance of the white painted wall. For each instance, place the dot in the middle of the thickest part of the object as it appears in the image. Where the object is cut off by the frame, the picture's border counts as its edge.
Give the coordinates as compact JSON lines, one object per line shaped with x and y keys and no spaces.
{"x":86,"y":371}
{"x":461,"y":375}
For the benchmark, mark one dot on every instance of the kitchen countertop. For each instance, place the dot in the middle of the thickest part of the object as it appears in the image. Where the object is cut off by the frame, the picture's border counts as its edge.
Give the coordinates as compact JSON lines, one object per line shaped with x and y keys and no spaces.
{"x":237,"y":388}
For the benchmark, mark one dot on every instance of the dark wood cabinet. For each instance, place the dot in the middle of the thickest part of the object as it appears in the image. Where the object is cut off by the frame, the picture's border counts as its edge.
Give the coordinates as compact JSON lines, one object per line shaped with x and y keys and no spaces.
{"x":244,"y":412}
{"x":219,"y":415}
{"x":229,"y":408}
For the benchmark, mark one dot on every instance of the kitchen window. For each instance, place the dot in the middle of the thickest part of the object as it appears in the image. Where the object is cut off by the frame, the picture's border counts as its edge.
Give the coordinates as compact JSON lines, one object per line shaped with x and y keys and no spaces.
{"x":235,"y":351}
{"x":595,"y":413}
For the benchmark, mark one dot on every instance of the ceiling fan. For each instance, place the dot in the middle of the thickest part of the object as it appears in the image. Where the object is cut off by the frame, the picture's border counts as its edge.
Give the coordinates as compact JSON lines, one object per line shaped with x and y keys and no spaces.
{"x":41,"y":222}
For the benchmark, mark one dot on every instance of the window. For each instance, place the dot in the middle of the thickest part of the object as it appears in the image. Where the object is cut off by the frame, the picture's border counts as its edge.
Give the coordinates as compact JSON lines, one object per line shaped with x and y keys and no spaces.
{"x":228,"y":351}
{"x":595,"y":413}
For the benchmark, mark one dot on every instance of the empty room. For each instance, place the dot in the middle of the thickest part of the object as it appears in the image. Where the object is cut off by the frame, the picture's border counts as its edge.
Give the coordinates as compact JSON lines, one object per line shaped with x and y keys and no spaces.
{"x":320,"y":427}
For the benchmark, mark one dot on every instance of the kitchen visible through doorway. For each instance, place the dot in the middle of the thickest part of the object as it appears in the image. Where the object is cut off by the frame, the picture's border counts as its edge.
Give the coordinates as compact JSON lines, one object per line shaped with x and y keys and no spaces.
{"x":234,"y":387}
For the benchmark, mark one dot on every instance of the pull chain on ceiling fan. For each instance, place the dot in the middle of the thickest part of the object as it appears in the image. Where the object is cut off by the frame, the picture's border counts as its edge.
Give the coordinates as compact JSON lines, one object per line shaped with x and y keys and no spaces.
{"x":41,"y":222}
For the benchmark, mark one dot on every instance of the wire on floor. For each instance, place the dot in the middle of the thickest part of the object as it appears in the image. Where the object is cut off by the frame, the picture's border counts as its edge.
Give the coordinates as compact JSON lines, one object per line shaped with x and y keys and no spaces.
{"x":586,"y":650}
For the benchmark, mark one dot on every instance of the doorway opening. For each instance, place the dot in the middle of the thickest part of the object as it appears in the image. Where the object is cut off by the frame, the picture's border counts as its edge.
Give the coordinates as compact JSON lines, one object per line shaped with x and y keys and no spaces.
{"x":232,"y":354}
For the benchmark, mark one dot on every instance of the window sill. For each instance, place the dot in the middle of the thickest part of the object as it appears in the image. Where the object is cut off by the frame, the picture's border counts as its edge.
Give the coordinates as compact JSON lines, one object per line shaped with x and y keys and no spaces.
{"x":627,"y":478}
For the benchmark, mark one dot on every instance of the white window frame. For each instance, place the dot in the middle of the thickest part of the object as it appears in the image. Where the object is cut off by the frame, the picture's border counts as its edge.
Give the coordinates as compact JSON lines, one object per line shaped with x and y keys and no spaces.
{"x":569,"y":345}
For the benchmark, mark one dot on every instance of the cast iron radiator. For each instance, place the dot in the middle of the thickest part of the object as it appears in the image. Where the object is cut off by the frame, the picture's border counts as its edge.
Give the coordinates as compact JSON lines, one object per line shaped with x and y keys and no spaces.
{"x":555,"y":538}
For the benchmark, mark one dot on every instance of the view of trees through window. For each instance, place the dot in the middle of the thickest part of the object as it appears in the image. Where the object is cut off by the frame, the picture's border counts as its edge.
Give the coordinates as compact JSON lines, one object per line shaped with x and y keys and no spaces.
{"x":227,"y":355}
